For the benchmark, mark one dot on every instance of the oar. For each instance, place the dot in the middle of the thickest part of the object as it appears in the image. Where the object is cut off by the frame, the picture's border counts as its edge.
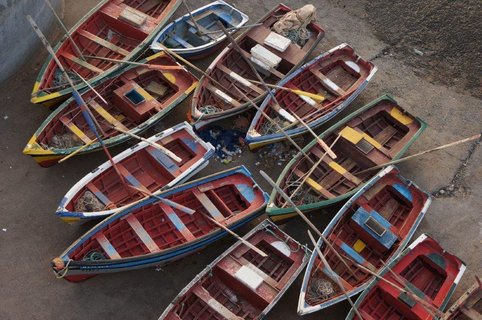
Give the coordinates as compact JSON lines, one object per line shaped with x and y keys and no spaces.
{"x":192,"y":18}
{"x":448,"y":145}
{"x":314,"y":96}
{"x":168,"y":152}
{"x":67,"y":157}
{"x":307,"y":221}
{"x":191,"y":212}
{"x":234,"y":28}
{"x":332,"y":274}
{"x":89,"y":118}
{"x":150,"y":66}
{"x":175,"y":55}
{"x":79,"y":52}
{"x":317,"y":138}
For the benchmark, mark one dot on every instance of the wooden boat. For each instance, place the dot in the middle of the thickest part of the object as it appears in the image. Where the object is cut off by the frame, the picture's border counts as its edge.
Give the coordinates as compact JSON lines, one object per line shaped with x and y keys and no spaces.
{"x":339,"y":75}
{"x":114,"y":29}
{"x":240,"y":283}
{"x":211,"y":103}
{"x":468,"y":305}
{"x":183,"y":37}
{"x":137,"y":97}
{"x":373,"y":135}
{"x":372,"y":228}
{"x":427,"y":269}
{"x":101,"y":192}
{"x":161,"y":229}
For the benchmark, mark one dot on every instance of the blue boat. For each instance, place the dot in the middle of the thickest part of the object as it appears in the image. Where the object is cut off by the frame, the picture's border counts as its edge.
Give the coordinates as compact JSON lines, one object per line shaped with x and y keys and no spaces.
{"x":183,"y":37}
{"x":165,"y":227}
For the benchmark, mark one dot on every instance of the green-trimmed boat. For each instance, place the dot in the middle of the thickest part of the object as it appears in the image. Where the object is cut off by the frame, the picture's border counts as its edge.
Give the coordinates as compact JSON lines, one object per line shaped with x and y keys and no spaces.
{"x":377,"y":133}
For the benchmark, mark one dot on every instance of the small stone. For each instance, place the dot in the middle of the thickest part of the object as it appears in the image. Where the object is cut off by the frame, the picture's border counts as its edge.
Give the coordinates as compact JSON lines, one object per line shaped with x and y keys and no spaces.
{"x":442,"y":191}
{"x":4,"y":229}
{"x":451,"y":188}
{"x":418,"y":52}
{"x":5,"y":117}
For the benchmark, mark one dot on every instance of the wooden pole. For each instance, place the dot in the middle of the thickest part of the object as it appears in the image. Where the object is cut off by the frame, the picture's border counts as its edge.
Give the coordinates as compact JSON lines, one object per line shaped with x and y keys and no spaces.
{"x":168,"y":152}
{"x":314,"y":96}
{"x":234,"y":28}
{"x":200,"y":32}
{"x":76,"y":151}
{"x":317,"y":138}
{"x":150,"y":66}
{"x":332,"y":274}
{"x":191,"y":212}
{"x":79,"y":52}
{"x":448,"y":145}
{"x":305,"y":218}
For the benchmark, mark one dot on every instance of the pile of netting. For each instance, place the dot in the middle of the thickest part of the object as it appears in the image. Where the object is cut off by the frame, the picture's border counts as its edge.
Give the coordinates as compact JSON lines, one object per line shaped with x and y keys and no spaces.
{"x":293,"y":24}
{"x":88,"y":202}
{"x":209,"y":109}
{"x":320,"y":289}
{"x":268,"y":127}
{"x":65,"y":141}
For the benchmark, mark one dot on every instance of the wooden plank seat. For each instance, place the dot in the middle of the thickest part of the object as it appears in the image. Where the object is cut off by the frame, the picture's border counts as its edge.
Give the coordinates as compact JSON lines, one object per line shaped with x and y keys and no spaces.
{"x":107,"y":246}
{"x":328,"y":84}
{"x":272,"y":70}
{"x":103,"y":42}
{"x":177,"y":222}
{"x":205,"y":296}
{"x":142,"y":233}
{"x":100,"y":195}
{"x":208,"y":205}
{"x":385,"y":135}
{"x":314,"y":185}
{"x":81,"y":62}
{"x":74,"y":129}
{"x":240,"y":79}
{"x":308,"y":100}
{"x":180,"y":40}
{"x":106,"y":115}
{"x":204,"y":33}
{"x":164,"y":160}
{"x":223,"y":96}
{"x":339,"y":168}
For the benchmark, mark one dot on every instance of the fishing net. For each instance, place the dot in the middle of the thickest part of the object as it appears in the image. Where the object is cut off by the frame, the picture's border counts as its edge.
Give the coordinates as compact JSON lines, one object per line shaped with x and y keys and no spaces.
{"x":60,"y":79}
{"x":303,"y":195}
{"x":93,"y":256}
{"x":65,"y":141}
{"x":268,"y":127}
{"x":293,"y":24}
{"x":209,"y":109}
{"x":88,"y":202}
{"x":321,"y":289}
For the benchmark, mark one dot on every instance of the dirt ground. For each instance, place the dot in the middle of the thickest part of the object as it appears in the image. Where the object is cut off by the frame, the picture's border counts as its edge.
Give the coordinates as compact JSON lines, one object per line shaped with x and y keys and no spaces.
{"x":442,"y":86}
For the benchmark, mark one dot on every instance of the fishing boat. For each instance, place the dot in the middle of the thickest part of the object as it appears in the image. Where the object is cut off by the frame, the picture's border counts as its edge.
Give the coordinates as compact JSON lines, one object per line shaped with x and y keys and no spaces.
{"x":375,"y":134}
{"x":114,"y":29}
{"x":164,"y":227}
{"x":133,"y":100}
{"x":213,"y":101}
{"x":469,"y":305}
{"x":240,"y":283}
{"x":371,"y":229}
{"x":426,"y":271}
{"x":201,"y":37}
{"x":144,"y":167}
{"x":336,"y":78}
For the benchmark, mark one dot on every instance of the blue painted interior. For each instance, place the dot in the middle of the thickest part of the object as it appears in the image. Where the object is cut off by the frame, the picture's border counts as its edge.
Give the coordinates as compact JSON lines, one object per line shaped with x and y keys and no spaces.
{"x":387,"y":239}
{"x":403,"y":190}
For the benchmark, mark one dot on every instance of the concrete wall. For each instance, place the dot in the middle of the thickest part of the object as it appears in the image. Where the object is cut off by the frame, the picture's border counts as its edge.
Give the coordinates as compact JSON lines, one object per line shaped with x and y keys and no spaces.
{"x":17,"y":39}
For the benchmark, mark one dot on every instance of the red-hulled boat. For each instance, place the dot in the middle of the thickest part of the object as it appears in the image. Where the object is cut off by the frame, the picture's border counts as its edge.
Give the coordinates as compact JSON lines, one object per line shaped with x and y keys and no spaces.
{"x":212,"y":102}
{"x":371,"y":229}
{"x":426,"y":269}
{"x":165,"y":227}
{"x":135,"y":99}
{"x":240,"y":283}
{"x":338,"y":75}
{"x":102,"y":192}
{"x":114,"y":29}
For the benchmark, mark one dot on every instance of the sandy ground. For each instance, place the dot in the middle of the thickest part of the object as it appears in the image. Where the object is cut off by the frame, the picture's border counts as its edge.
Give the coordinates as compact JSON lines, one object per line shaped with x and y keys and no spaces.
{"x":32,"y":235}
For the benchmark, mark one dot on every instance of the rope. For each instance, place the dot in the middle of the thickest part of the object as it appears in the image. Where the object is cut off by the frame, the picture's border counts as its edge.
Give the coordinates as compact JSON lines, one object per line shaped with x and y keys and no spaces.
{"x":63,"y":272}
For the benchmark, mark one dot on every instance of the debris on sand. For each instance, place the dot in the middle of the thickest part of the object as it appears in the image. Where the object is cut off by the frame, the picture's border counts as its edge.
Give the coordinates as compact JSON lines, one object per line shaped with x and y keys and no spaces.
{"x":228,"y":143}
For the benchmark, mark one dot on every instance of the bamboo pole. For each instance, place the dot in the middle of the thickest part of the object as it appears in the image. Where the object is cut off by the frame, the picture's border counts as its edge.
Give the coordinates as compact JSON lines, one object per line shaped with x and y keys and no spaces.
{"x":332,"y":273}
{"x":79,"y":52}
{"x":305,"y":218}
{"x":317,"y":97}
{"x":150,"y":66}
{"x":448,"y":145}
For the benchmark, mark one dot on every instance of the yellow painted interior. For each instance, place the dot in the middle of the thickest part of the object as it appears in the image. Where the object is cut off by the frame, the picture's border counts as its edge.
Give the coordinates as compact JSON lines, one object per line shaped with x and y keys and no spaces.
{"x":312,"y":183}
{"x":154,"y":56}
{"x":144,"y":93}
{"x":354,"y":137}
{"x":170,"y":77}
{"x":359,"y":246}
{"x":399,"y":116}
{"x":79,"y":133}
